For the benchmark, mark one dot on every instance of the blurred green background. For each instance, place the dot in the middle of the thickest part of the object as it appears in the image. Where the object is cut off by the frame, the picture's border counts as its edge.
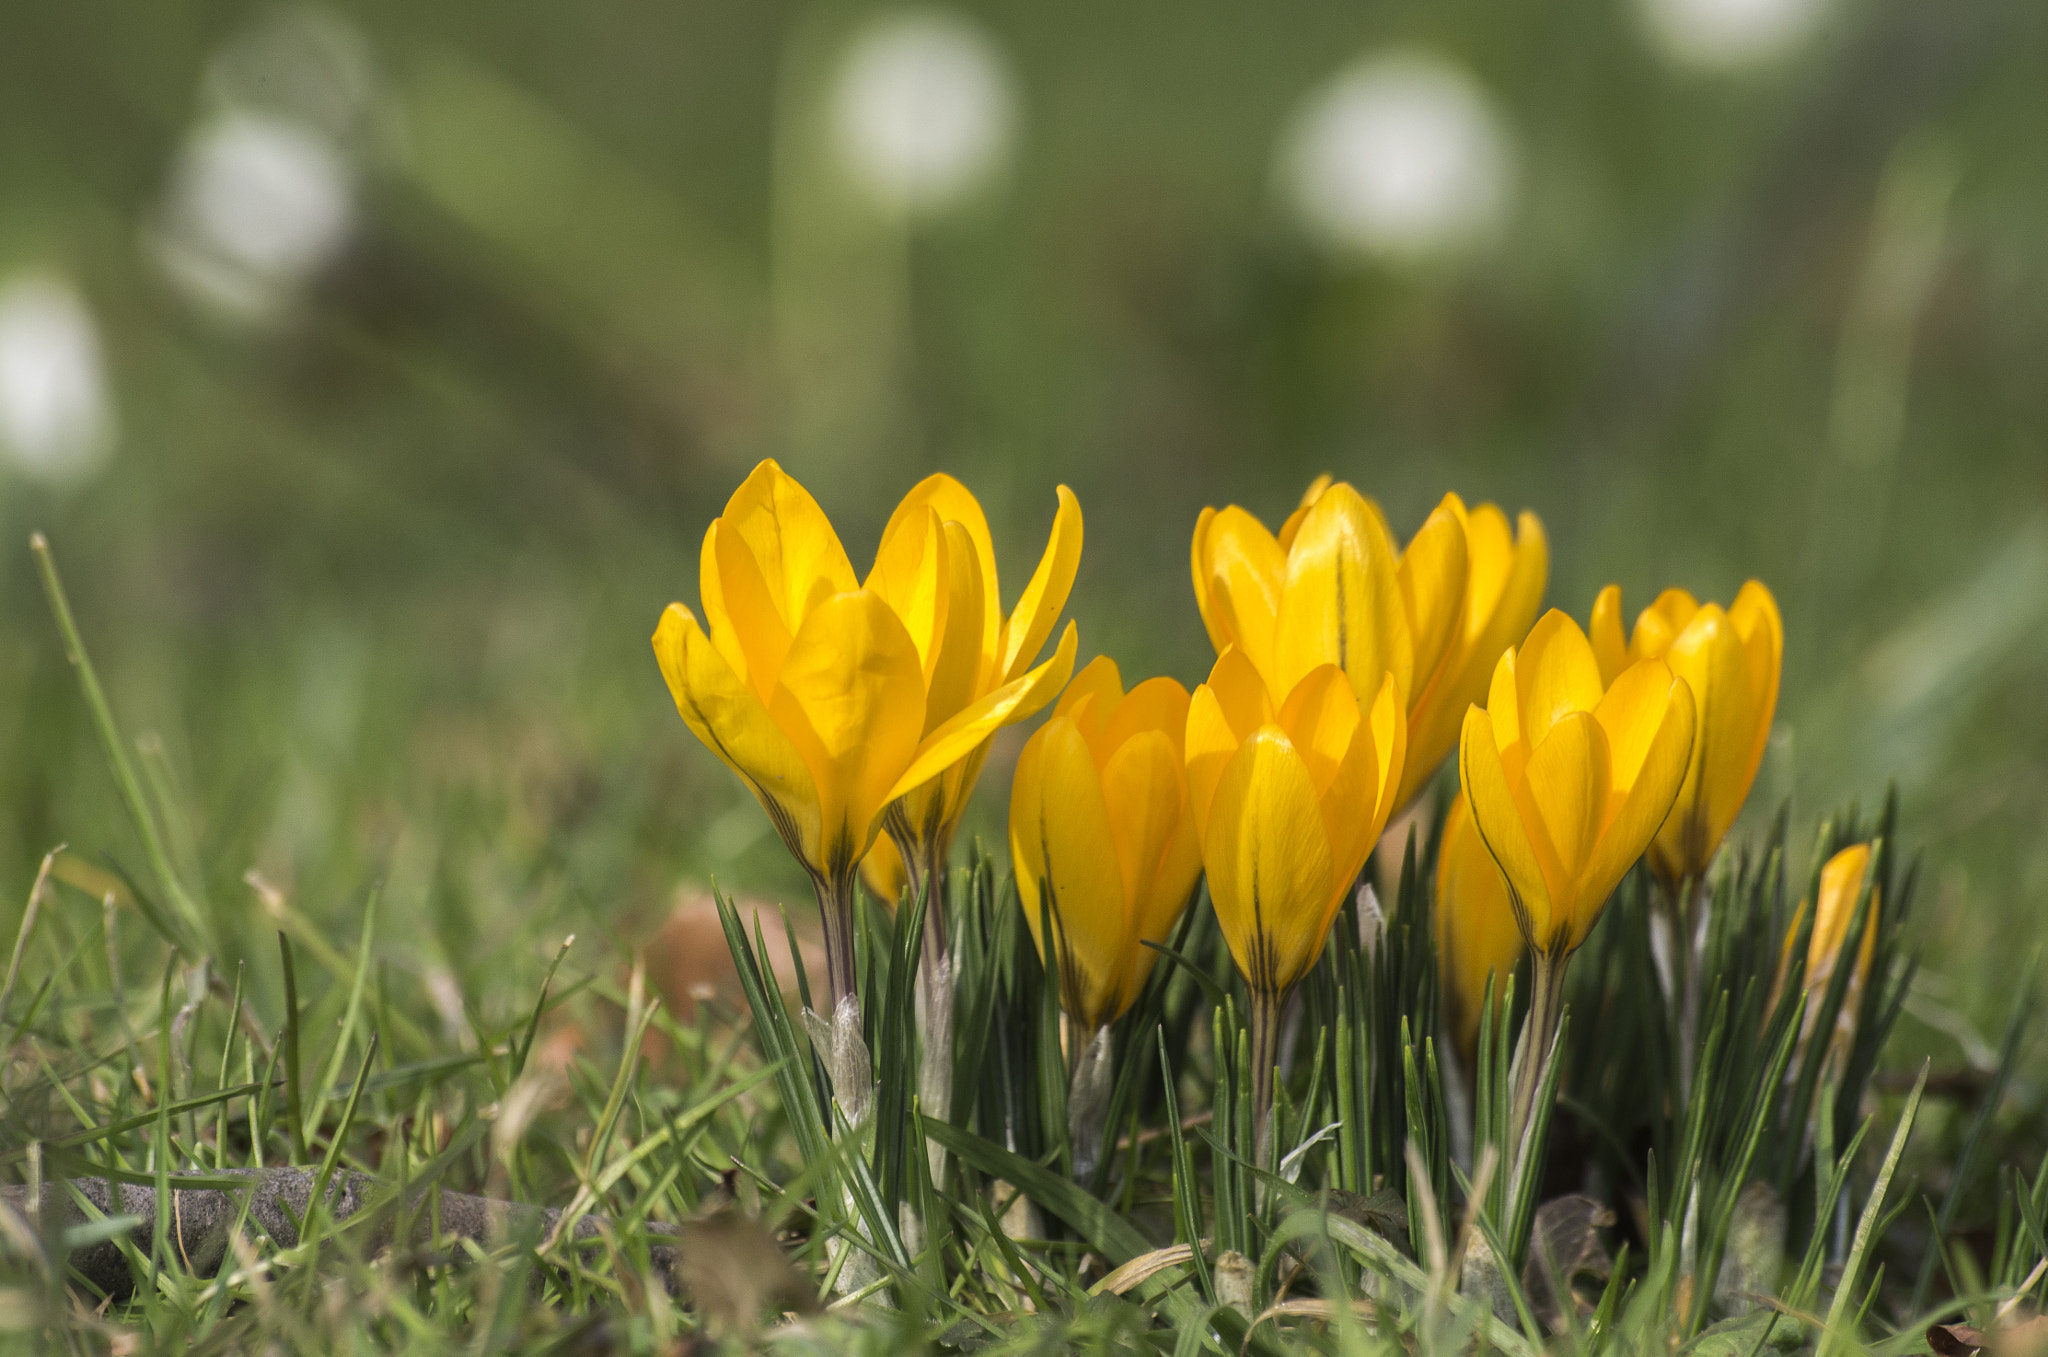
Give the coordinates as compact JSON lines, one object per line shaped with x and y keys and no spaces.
{"x":375,"y":371}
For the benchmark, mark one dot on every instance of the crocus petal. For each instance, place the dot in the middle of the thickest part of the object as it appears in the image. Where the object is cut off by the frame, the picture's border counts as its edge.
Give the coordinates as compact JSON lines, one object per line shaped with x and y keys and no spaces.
{"x":1292,"y":527}
{"x":1014,"y":701}
{"x":725,"y":714}
{"x":1498,"y":818}
{"x":1099,"y":679}
{"x":1142,"y":784}
{"x":788,"y":534}
{"x":1341,"y":600}
{"x":1568,"y":786}
{"x":1066,"y":857}
{"x":851,"y":700}
{"x":955,"y":666}
{"x":1359,"y":797}
{"x":1238,"y":570}
{"x":1755,"y":615}
{"x":1159,"y":704}
{"x":1710,"y":657}
{"x":1476,"y":936}
{"x":912,"y":576}
{"x":1320,"y":716}
{"x":1167,"y":892}
{"x":955,"y":503}
{"x":1555,"y":674}
{"x":1043,"y":598}
{"x":1270,"y":873}
{"x":1658,"y":625}
{"x":1609,"y":648}
{"x":1654,"y":788}
{"x":1432,"y":575}
{"x":753,"y":630}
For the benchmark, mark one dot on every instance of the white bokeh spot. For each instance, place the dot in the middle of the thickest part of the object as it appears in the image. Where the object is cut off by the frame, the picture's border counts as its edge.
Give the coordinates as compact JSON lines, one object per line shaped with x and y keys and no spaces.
{"x":922,"y":110}
{"x":1729,"y":34}
{"x":1401,"y":156}
{"x":56,"y":421}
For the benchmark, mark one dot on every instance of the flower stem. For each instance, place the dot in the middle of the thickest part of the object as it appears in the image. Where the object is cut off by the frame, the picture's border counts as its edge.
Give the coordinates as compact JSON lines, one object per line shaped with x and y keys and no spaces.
{"x":1266,"y":1008}
{"x":835,"y":908}
{"x":1532,"y":1062}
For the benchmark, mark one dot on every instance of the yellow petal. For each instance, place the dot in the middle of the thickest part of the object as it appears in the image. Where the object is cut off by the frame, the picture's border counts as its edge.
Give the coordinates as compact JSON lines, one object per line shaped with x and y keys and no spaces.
{"x":1292,"y":526}
{"x":1755,"y":615}
{"x":1504,"y":713}
{"x":1238,"y":570}
{"x":1144,"y":787}
{"x":1341,"y":601}
{"x":1432,"y":574}
{"x":789,"y":536}
{"x":1476,"y":936}
{"x":1320,"y":716}
{"x":911,"y":574}
{"x":1652,"y":789}
{"x":1658,"y":625}
{"x":1710,"y":657}
{"x":1097,"y":679}
{"x":1062,"y":843}
{"x":1208,"y":747}
{"x":967,"y":729}
{"x":1358,"y":797}
{"x":1497,"y":817}
{"x":1841,"y":888}
{"x":1159,"y":704}
{"x":1608,"y":646}
{"x":851,"y":699}
{"x":955,"y":503}
{"x":1504,"y":581}
{"x":753,"y":634}
{"x":1270,"y":873}
{"x":1166,"y":895}
{"x":957,"y":662}
{"x":725,"y":714}
{"x":1039,"y":607}
{"x":1555,"y":674}
{"x":1568,"y":786}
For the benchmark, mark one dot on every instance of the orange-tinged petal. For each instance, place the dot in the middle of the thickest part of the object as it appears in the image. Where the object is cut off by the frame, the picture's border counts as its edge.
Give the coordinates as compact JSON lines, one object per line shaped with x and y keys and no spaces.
{"x":1555,"y":674}
{"x":1039,"y":608}
{"x":1476,"y":936}
{"x":1568,"y":786}
{"x":1238,"y":570}
{"x":851,"y":699}
{"x":725,"y":714}
{"x":1609,"y":648}
{"x":754,"y":637}
{"x":1432,"y":574}
{"x":1066,"y":860}
{"x":799,"y":554}
{"x":963,"y":732}
{"x":1657,"y":777}
{"x":1341,"y":600}
{"x":1270,"y":873}
{"x":1497,"y":817}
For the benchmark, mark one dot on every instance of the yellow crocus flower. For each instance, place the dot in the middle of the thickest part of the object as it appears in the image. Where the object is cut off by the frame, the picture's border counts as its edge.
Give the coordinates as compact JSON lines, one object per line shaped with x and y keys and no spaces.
{"x":937,"y":566}
{"x":1289,"y":799}
{"x":1569,"y":778}
{"x":1731,"y":660}
{"x":813,"y":688}
{"x":1331,"y":589}
{"x":1102,"y":837}
{"x":1842,"y":880}
{"x":1476,"y":936}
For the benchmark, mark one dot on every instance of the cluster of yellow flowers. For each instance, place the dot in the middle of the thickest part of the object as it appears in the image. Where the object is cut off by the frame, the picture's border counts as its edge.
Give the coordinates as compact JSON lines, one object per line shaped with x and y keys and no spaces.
{"x":1346,"y":670}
